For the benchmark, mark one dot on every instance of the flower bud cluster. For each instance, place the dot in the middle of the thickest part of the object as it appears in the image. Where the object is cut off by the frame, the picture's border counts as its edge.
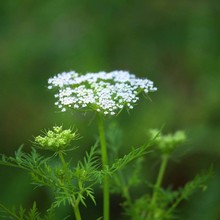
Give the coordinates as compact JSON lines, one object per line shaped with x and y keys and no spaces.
{"x":167,"y":143}
{"x":103,"y":92}
{"x":56,"y":139}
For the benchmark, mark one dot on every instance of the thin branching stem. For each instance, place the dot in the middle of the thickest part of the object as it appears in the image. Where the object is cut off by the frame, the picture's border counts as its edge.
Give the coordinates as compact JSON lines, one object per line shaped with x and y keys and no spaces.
{"x":104,"y":164}
{"x":175,"y":204}
{"x":157,"y":185}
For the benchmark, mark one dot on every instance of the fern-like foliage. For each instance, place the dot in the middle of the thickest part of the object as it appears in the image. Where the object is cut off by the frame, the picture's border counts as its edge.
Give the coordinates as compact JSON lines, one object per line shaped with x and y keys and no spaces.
{"x":128,"y":158}
{"x":32,"y":162}
{"x":28,"y":161}
{"x":167,"y":201}
{"x":70,"y":184}
{"x":200,"y":181}
{"x":141,"y":207}
{"x":134,"y":154}
{"x":23,"y":214}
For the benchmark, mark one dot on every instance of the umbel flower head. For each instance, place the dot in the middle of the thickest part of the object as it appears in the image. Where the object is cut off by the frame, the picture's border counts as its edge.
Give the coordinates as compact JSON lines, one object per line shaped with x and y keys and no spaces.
{"x":103,"y":92}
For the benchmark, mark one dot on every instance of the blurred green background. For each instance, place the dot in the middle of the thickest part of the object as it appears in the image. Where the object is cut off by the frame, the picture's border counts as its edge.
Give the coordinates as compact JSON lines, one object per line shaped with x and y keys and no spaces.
{"x":174,"y":43}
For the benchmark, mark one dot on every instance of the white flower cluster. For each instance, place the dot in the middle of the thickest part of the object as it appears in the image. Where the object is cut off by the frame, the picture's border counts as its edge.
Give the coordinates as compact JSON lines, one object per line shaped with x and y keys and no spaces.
{"x":104,"y":92}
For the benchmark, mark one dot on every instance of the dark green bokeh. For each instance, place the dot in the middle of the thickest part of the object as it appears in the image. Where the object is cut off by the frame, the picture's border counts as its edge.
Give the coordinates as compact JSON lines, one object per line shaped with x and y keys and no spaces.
{"x":174,"y":43}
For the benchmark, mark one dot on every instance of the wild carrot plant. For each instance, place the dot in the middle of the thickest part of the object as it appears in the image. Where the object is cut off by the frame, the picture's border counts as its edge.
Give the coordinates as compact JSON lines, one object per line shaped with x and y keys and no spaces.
{"x":107,"y":94}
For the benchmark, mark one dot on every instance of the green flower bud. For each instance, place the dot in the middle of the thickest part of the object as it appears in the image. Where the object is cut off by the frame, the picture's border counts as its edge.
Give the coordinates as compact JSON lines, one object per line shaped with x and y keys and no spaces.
{"x":56,"y":139}
{"x":167,"y":143}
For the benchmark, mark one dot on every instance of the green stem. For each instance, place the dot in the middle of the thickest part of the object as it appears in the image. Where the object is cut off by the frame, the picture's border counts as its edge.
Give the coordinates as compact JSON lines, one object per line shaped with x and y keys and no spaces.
{"x":63,"y":161}
{"x":104,"y":164}
{"x":175,"y":204}
{"x":75,"y":204}
{"x":157,"y":185}
{"x":77,"y":212}
{"x":127,"y":195}
{"x":65,"y":167}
